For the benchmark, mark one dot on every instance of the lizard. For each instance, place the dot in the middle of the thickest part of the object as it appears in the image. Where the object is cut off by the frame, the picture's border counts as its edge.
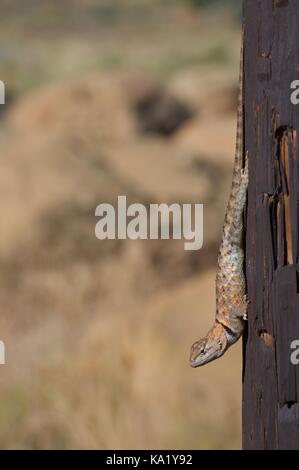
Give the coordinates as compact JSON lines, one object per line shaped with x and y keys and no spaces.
{"x":231,"y":299}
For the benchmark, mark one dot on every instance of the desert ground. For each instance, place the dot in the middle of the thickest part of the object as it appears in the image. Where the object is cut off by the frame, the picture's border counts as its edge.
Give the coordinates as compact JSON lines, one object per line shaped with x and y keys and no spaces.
{"x":108,"y":98}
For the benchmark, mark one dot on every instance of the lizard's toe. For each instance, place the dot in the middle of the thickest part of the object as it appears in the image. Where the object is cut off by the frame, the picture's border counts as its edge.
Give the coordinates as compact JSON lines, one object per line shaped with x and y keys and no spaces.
{"x":244,"y":171}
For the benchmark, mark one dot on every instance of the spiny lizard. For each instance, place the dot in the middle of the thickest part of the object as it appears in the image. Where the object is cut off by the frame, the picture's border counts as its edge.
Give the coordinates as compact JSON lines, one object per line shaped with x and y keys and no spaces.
{"x":231,"y":301}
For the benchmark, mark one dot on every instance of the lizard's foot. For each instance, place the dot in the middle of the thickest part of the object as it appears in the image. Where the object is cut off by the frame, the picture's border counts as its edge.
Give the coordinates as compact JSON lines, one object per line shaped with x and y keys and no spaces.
{"x":246,"y":302}
{"x":244,"y":171}
{"x":240,"y":311}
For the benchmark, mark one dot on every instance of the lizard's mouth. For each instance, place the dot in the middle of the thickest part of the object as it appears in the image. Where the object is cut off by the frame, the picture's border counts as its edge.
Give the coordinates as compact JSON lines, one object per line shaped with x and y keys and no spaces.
{"x":198,"y":352}
{"x":208,"y":355}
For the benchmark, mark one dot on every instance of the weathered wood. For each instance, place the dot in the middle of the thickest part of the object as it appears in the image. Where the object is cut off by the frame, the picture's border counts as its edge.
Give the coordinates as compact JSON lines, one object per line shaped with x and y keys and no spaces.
{"x":270,"y":381}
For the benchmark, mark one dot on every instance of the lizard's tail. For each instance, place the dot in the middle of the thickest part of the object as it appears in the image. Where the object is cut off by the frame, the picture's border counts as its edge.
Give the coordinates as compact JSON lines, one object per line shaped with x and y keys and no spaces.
{"x":239,"y":151}
{"x":212,"y":346}
{"x":233,"y":202}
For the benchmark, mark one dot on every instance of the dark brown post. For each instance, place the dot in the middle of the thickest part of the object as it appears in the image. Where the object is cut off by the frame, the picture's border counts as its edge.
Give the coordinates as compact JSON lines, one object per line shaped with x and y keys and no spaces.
{"x":270,"y":380}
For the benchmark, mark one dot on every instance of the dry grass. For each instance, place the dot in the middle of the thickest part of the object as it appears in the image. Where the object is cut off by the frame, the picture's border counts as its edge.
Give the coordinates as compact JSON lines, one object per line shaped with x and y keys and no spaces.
{"x":123,"y":381}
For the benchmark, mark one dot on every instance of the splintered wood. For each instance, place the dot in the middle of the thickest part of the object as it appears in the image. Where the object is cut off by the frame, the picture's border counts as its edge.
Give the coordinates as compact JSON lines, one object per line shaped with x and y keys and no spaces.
{"x":285,"y":167}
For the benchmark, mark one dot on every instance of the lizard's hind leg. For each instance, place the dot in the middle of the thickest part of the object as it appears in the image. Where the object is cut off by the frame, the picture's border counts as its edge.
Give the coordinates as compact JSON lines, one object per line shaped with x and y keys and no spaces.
{"x":245,"y":172}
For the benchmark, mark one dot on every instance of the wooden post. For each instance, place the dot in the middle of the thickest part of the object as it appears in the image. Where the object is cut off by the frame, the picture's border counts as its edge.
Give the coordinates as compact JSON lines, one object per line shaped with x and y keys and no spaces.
{"x":270,"y":380}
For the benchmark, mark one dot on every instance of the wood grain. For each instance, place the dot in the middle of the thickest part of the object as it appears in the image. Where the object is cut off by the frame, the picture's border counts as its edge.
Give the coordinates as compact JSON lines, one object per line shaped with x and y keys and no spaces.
{"x":270,"y":381}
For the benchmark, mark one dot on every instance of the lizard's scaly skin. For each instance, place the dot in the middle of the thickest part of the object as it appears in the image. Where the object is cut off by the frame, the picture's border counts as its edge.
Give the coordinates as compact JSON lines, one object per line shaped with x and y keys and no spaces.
{"x":231,"y":303}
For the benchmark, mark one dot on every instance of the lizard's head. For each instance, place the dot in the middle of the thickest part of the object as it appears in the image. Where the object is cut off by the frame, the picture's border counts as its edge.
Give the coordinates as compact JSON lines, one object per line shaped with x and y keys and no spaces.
{"x":209,"y":348}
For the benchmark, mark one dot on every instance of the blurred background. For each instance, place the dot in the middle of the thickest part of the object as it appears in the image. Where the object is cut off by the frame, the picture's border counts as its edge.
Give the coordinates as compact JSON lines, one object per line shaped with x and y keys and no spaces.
{"x":108,"y":98}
